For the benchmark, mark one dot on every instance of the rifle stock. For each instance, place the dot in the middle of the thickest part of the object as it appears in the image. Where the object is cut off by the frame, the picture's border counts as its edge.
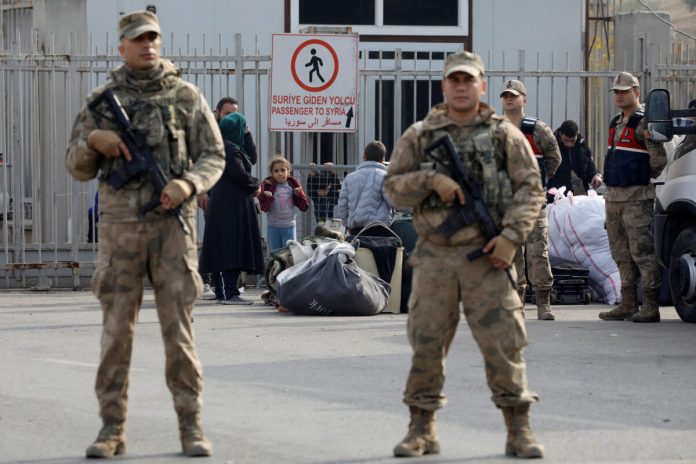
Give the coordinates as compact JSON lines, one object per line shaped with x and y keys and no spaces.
{"x":143,"y":160}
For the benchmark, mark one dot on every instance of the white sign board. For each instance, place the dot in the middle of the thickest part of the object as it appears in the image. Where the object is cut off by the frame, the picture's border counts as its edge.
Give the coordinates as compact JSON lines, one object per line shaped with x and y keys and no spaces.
{"x":314,"y":83}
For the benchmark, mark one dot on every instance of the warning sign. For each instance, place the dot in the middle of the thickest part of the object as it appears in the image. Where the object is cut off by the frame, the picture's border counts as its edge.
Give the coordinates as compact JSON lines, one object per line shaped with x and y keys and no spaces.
{"x":314,"y":83}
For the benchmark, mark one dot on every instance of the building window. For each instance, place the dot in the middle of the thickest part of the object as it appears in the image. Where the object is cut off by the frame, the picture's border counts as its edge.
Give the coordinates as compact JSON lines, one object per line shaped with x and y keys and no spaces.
{"x":417,"y":13}
{"x":425,"y":95}
{"x":385,"y":17}
{"x":339,"y":12}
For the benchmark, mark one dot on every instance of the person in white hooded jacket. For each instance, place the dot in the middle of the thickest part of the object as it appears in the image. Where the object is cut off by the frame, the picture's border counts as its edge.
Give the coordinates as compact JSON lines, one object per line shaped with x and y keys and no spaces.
{"x":363,"y":199}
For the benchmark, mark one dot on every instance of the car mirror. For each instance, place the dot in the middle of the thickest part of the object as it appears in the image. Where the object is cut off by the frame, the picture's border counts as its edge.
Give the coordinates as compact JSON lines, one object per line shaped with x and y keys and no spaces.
{"x":659,"y":116}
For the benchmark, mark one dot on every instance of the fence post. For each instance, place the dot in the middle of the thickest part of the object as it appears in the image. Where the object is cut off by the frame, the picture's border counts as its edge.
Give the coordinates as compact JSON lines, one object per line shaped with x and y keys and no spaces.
{"x":239,"y":70}
{"x":19,"y":144}
{"x":75,"y":223}
{"x":397,"y":94}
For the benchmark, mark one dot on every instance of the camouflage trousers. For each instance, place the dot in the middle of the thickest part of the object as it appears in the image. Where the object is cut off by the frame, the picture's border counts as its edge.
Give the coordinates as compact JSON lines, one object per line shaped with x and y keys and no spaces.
{"x":127,"y":253}
{"x":537,"y":257}
{"x":442,"y":278}
{"x":629,"y":228}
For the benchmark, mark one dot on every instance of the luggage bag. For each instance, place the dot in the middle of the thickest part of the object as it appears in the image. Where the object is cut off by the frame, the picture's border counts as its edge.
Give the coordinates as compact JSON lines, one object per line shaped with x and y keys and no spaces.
{"x":571,"y":283}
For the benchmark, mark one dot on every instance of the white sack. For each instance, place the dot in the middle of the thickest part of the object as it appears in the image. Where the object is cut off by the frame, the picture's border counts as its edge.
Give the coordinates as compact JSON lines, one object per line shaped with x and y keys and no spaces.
{"x":576,"y":233}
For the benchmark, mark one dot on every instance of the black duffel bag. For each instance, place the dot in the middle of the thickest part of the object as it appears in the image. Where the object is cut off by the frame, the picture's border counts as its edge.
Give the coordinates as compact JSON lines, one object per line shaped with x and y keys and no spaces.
{"x":334,"y":288}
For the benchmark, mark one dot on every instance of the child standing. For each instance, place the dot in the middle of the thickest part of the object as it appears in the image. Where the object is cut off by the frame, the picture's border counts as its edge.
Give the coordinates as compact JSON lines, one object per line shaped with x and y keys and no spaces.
{"x":280,"y":193}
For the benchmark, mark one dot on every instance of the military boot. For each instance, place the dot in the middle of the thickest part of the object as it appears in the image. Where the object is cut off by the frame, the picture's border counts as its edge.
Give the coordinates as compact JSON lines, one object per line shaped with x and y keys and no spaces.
{"x":626,"y":309}
{"x":110,"y":442}
{"x":521,"y":290}
{"x":520,"y":441}
{"x":421,"y":437}
{"x":193,"y":442}
{"x":543,"y":304}
{"x":650,"y":310}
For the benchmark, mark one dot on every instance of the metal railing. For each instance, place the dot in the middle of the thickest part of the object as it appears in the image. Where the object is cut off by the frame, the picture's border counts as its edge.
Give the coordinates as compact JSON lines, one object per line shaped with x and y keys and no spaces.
{"x":44,"y":214}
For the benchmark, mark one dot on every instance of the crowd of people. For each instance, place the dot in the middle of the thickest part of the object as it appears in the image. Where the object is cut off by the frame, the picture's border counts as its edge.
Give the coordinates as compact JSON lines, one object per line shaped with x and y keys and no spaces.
{"x":511,"y":160}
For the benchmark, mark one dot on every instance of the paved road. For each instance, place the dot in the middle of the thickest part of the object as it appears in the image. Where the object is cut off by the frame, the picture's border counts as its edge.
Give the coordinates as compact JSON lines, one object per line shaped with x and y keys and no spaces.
{"x":287,"y":389}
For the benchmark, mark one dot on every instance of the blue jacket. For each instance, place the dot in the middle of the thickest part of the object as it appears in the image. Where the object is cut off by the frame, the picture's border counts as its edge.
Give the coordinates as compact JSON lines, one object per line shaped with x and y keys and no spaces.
{"x":362,"y":199}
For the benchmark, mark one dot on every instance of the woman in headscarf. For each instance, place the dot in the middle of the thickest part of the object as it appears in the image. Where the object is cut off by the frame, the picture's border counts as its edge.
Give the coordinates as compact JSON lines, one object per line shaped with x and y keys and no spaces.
{"x":232,"y":239}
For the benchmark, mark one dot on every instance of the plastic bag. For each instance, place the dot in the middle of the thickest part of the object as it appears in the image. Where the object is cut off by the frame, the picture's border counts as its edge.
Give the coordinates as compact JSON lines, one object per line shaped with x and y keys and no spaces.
{"x":333,"y":285}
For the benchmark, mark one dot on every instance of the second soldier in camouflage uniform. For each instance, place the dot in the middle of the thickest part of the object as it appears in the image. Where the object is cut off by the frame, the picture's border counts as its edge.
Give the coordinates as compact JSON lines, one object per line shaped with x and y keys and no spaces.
{"x":182,"y":134}
{"x":502,"y":163}
{"x":632,"y":159}
{"x":545,"y":148}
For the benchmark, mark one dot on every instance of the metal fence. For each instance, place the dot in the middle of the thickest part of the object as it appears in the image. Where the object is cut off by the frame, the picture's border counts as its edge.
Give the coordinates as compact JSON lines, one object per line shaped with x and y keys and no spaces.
{"x":46,"y":232}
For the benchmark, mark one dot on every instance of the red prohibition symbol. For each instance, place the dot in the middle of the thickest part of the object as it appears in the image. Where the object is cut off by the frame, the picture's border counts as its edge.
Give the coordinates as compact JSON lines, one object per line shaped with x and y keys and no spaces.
{"x":297,"y":79}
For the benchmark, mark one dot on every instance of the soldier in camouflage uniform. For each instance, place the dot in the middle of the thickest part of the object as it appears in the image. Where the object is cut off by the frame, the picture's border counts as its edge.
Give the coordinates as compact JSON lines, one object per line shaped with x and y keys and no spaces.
{"x":499,"y":158}
{"x":545,"y":148}
{"x":181,"y":131}
{"x":632,"y":159}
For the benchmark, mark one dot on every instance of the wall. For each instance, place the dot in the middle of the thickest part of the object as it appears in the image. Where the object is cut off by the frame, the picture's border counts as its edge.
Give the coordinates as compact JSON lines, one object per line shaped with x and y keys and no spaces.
{"x":551,"y":33}
{"x":253,"y":18}
{"x":639,"y":33}
{"x":54,"y":26}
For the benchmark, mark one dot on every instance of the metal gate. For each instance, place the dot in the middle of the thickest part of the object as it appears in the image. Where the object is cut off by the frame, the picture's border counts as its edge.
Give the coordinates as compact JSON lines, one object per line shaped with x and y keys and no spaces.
{"x":46,"y":228}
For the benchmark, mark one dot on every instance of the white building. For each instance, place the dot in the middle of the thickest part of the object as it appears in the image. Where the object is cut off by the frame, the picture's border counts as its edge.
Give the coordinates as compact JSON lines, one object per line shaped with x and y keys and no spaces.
{"x":53,"y":52}
{"x":551,"y":34}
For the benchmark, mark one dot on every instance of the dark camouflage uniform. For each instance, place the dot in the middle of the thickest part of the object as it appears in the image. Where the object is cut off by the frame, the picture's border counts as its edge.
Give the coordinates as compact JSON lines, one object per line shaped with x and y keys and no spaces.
{"x":187,"y":144}
{"x":537,"y":245}
{"x":629,"y":212}
{"x":443,"y":276}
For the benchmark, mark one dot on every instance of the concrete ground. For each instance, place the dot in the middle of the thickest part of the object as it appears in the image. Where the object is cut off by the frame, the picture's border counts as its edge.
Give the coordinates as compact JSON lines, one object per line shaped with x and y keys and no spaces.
{"x":287,"y":389}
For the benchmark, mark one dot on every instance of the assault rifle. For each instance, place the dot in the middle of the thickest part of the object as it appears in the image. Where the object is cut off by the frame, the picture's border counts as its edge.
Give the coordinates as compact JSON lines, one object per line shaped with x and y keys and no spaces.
{"x":143,"y":160}
{"x":474,"y":209}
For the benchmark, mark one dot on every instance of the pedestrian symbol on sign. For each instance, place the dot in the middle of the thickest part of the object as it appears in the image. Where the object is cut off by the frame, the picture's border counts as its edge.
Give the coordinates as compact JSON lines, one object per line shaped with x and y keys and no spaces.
{"x":315,"y":62}
{"x":301,"y":60}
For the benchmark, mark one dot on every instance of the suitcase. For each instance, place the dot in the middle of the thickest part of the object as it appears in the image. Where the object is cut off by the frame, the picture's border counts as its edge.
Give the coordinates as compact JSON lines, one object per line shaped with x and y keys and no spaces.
{"x":365,"y":260}
{"x":571,"y":283}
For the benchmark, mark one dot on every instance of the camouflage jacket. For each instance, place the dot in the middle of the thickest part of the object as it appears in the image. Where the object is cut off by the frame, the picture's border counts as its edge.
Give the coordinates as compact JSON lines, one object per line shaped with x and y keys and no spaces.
{"x":179,"y":127}
{"x":408,"y":185}
{"x":658,"y":161}
{"x":547,"y":143}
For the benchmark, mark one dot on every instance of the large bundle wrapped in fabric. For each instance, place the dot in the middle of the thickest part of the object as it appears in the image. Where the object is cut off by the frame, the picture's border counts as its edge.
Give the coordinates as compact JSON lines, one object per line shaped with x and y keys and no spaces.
{"x":294,"y":253}
{"x":330,"y":283}
{"x":577,"y":234}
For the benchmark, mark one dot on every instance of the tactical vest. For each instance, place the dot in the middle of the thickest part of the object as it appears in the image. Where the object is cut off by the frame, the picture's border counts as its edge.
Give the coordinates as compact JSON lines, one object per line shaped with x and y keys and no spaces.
{"x":157,"y":117}
{"x":527,"y":128}
{"x":628,"y":162}
{"x":483,"y":154}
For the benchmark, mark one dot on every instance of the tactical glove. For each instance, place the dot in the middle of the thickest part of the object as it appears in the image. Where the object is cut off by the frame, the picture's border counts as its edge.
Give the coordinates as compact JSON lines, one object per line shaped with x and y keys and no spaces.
{"x":105,"y":142}
{"x":175,"y":192}
{"x":446,"y":188}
